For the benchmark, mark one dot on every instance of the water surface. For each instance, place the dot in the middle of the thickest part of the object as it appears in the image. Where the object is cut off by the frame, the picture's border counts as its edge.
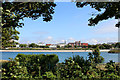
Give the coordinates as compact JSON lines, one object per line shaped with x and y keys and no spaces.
{"x":63,"y":55}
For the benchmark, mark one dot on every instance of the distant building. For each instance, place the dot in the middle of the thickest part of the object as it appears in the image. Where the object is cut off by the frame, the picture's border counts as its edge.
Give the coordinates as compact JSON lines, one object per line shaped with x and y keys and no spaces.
{"x":71,"y":44}
{"x":17,"y":46}
{"x":41,"y":44}
{"x":62,"y":44}
{"x":48,"y":44}
{"x":53,"y":46}
{"x":110,"y":43}
{"x":77,"y":43}
{"x":84,"y":45}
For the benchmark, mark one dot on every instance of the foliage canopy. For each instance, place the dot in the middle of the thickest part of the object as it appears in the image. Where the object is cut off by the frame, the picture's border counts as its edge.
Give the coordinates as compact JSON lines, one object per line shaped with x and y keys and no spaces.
{"x":14,"y":12}
{"x":111,"y":9}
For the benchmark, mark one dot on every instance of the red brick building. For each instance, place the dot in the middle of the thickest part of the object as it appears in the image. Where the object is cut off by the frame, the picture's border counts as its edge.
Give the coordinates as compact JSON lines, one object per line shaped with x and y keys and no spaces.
{"x":48,"y":44}
{"x":84,"y":45}
{"x":77,"y":43}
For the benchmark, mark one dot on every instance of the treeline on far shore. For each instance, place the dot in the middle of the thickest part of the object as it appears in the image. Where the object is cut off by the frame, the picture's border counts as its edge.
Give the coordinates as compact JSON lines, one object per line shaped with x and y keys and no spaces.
{"x":114,"y":51}
{"x":34,"y":46}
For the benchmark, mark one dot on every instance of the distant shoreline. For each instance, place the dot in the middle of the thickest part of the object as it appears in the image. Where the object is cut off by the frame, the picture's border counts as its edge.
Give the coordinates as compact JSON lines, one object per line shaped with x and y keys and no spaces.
{"x":51,"y":50}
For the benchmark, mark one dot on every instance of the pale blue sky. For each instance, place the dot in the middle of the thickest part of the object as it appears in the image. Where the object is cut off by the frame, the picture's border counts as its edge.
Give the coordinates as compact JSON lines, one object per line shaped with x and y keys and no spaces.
{"x":69,"y":23}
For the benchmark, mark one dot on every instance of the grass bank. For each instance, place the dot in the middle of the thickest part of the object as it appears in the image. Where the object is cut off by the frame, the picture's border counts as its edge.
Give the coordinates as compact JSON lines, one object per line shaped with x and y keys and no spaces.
{"x":114,"y":51}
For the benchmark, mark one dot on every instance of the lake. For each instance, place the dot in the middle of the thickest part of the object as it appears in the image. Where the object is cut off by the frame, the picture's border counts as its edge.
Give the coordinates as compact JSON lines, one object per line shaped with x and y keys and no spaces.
{"x":62,"y":55}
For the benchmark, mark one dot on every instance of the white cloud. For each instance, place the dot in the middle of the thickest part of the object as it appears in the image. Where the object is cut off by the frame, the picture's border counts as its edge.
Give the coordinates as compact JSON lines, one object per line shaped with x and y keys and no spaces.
{"x":62,"y":40}
{"x":107,"y":30}
{"x":107,"y":27}
{"x":49,"y":38}
{"x":71,"y":39}
{"x":92,"y":41}
{"x":101,"y":40}
{"x":108,"y":39}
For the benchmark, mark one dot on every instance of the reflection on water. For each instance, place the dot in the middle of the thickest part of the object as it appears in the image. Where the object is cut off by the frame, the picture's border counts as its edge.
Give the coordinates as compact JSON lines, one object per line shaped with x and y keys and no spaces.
{"x":63,"y":55}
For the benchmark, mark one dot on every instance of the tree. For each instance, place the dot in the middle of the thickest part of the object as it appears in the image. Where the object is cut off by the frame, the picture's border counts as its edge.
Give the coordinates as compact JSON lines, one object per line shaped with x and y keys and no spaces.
{"x":111,"y":9}
{"x":46,"y":46}
{"x":97,"y":57}
{"x":75,"y":46}
{"x":68,"y":46}
{"x":32,"y":45}
{"x":117,"y":45}
{"x":58,"y":46}
{"x":96,"y":52}
{"x":101,"y":47}
{"x":90,"y":58}
{"x":23,"y":45}
{"x":70,"y":70}
{"x":8,"y":36}
{"x":92,"y":46}
{"x":14,"y":12}
{"x":83,"y":63}
{"x":107,"y":46}
{"x":111,"y":67}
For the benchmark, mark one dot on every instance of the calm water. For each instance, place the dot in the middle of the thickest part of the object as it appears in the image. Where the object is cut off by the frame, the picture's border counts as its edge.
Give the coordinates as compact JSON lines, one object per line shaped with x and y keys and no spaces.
{"x":62,"y":55}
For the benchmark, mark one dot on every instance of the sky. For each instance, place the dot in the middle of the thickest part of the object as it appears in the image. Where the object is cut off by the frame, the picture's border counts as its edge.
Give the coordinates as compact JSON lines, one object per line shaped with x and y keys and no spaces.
{"x":69,"y":24}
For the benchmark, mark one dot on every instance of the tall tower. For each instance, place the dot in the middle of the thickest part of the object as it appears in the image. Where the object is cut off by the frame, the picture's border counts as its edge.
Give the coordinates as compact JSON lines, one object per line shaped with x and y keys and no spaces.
{"x":65,"y":42}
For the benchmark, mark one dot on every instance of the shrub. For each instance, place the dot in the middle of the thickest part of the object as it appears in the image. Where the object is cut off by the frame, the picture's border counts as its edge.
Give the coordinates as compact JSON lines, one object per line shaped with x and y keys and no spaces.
{"x":42,"y":61}
{"x":48,"y":75}
{"x":70,"y":69}
{"x":13,"y":69}
{"x":83,"y":63}
{"x":30,"y":65}
{"x":45,"y":67}
{"x":95,"y":56}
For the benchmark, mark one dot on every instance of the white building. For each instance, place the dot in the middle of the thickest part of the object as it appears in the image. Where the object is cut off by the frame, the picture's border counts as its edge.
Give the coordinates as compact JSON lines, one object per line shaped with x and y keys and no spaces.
{"x":110,"y":43}
{"x":53,"y":46}
{"x":41,"y":44}
{"x":17,"y":46}
{"x":62,"y":44}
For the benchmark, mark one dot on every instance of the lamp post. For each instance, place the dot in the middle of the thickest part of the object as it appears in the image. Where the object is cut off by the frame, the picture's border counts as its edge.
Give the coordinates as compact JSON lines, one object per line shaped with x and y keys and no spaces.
{"x":117,"y":16}
{"x":118,"y":29}
{"x":119,"y":37}
{"x":118,"y":25}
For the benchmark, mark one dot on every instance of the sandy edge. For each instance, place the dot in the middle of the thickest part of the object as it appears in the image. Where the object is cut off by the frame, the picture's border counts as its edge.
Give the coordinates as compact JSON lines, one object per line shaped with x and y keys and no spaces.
{"x":4,"y":61}
{"x":51,"y":50}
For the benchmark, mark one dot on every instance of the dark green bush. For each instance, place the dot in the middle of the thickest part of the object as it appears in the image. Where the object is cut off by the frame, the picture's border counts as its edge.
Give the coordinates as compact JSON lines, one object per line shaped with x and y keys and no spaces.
{"x":70,"y":70}
{"x":95,"y":57}
{"x":46,"y":67}
{"x":30,"y":66}
{"x":13,"y":69}
{"x":49,"y":75}
{"x":83,"y":63}
{"x":38,"y":61}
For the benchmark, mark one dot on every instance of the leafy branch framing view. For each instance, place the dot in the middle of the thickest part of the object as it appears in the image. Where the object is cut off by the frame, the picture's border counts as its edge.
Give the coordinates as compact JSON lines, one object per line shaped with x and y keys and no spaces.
{"x":73,"y":68}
